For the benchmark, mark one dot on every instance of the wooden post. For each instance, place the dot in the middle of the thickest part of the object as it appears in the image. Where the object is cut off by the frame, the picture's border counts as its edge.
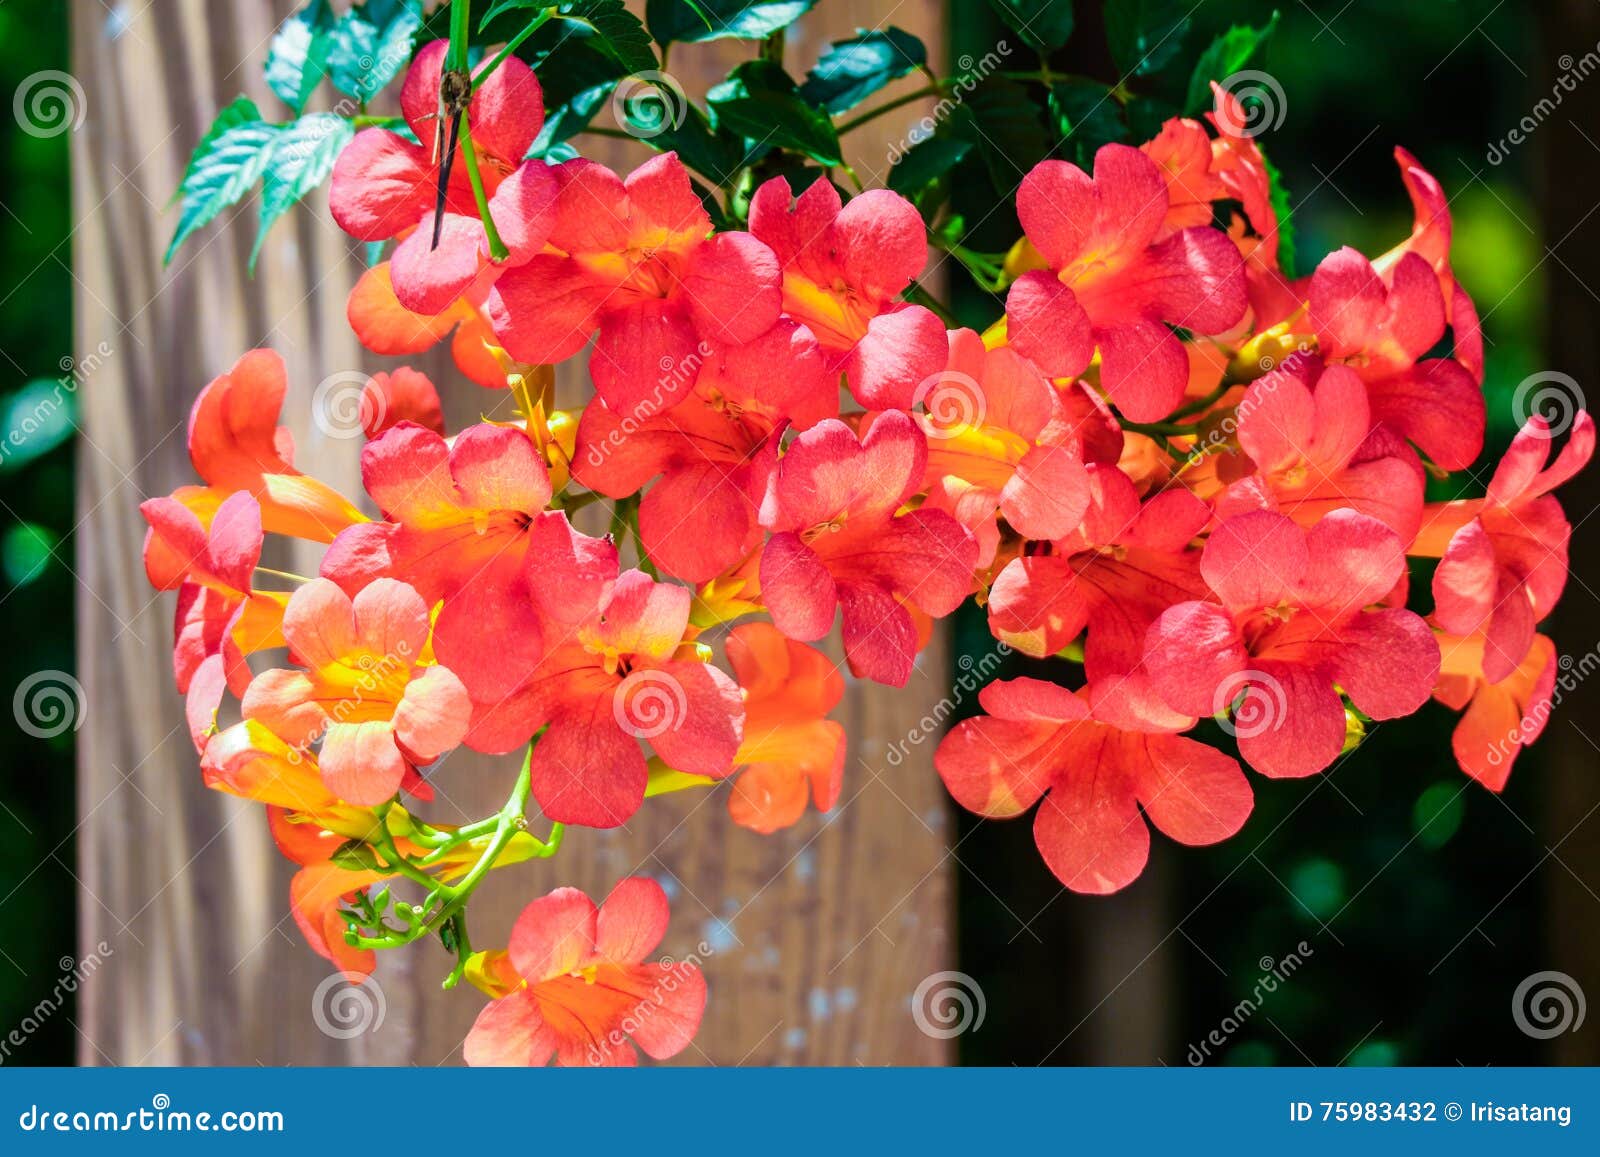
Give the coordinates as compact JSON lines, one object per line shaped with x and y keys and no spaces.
{"x":814,"y":939}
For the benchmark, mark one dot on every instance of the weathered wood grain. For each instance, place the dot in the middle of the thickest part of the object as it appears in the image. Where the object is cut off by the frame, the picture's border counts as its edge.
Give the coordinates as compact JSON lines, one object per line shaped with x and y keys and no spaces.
{"x":814,"y":939}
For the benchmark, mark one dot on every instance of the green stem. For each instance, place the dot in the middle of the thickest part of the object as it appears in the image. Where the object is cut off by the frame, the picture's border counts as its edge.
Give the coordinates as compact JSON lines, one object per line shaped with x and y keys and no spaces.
{"x":1160,"y":429}
{"x":460,"y":26}
{"x":1205,"y":403}
{"x":497,"y":248}
{"x":898,"y":102}
{"x":452,"y":898}
{"x":512,"y":45}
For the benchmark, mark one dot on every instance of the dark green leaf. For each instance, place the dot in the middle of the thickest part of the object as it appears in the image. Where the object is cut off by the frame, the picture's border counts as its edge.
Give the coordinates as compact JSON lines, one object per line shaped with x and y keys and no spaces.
{"x":759,"y":101}
{"x":1146,"y":34}
{"x":296,"y":56}
{"x":852,"y":70}
{"x":1226,"y":55}
{"x":618,"y":31}
{"x":1002,"y":120}
{"x":577,"y":77}
{"x":1279,"y":196}
{"x":1044,"y":25}
{"x":370,"y":44}
{"x":709,"y":152}
{"x":302,"y":158}
{"x":1147,"y":114}
{"x":225,"y":165}
{"x":693,"y":21}
{"x":925,"y":162}
{"x":1087,"y":115}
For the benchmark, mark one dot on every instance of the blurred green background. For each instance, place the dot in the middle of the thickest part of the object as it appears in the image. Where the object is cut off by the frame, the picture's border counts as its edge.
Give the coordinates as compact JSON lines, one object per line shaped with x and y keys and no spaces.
{"x":37,"y":900}
{"x":1381,"y":871}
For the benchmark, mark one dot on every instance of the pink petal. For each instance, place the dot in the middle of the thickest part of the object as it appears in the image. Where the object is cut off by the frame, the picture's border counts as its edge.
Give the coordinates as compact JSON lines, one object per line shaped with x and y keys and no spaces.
{"x":510,"y":1032}
{"x":1045,"y":323}
{"x":427,"y":279}
{"x":1295,"y":724}
{"x":632,"y":921}
{"x":1194,"y":653}
{"x":710,"y":724}
{"x":554,"y":935}
{"x":499,"y":468}
{"x":902,"y":348}
{"x":586,"y":770}
{"x":733,"y":288}
{"x":360,"y":763}
{"x":1389,"y":662}
{"x":880,"y":640}
{"x":640,"y":357}
{"x":382,"y":185}
{"x":798,"y":590}
{"x":432,"y":716}
{"x":1143,"y":368}
{"x":1255,"y":560}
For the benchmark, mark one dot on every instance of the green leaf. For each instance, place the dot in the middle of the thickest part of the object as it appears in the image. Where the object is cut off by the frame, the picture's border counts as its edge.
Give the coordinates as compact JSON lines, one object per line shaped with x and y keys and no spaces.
{"x":1226,"y":55}
{"x":225,"y":165}
{"x":1044,"y":25}
{"x":577,"y":77}
{"x":925,"y":162}
{"x":608,"y":24}
{"x":1087,"y":116}
{"x":1002,"y":120}
{"x":709,"y":152}
{"x":370,"y":45}
{"x":619,"y":32}
{"x":852,"y":70}
{"x":693,"y":21}
{"x":301,"y":160}
{"x":1279,"y":197}
{"x":296,"y":58}
{"x":355,"y":856}
{"x":759,"y":101}
{"x":1144,"y":35}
